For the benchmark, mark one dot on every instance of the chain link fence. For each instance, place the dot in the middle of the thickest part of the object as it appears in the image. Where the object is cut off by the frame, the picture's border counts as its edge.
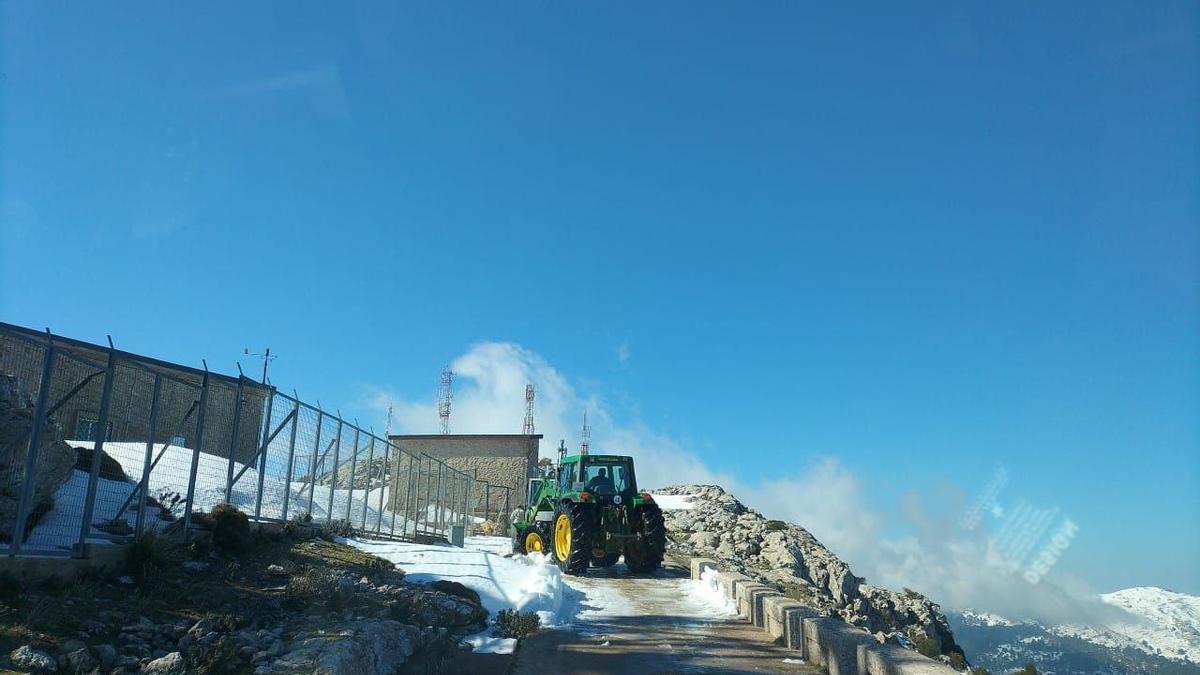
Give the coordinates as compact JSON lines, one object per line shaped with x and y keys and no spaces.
{"x":98,"y":445}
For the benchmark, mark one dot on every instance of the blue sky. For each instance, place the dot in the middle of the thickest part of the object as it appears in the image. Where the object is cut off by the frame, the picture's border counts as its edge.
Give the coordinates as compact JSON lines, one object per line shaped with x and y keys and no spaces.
{"x":923,"y":243}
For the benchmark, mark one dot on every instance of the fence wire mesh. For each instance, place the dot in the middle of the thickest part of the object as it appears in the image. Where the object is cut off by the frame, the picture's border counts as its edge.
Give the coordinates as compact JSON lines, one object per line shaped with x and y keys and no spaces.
{"x":174,"y":441}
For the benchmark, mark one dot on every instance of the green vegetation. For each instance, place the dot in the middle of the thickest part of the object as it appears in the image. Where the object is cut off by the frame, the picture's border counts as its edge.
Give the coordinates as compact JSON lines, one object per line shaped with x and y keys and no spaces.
{"x":513,"y":624}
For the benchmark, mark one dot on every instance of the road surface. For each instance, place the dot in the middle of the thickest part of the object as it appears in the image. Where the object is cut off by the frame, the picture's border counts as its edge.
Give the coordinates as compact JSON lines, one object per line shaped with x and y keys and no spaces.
{"x":650,"y":624}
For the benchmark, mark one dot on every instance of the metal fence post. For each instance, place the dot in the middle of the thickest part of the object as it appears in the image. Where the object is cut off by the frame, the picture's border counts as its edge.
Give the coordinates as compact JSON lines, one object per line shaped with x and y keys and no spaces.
{"x":367,"y":494}
{"x":233,"y":439}
{"x":440,"y":513}
{"x":191,"y":491}
{"x":151,"y":432}
{"x":337,"y":448}
{"x":312,"y":465}
{"x":353,"y":477}
{"x":387,"y":448}
{"x":507,"y":492}
{"x":468,"y":482}
{"x":391,"y":490}
{"x":89,"y":504}
{"x":287,"y":486}
{"x":35,"y":441}
{"x":262,"y":460}
{"x":410,"y":498}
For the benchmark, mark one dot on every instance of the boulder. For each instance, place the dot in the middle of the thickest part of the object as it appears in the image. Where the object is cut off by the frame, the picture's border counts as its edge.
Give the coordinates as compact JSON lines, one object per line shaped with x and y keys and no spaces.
{"x":54,"y":462}
{"x":34,"y":660}
{"x":171,"y":664}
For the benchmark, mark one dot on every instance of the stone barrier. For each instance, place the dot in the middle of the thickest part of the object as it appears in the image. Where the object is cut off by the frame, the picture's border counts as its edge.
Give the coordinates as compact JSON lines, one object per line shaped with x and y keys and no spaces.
{"x":841,"y":648}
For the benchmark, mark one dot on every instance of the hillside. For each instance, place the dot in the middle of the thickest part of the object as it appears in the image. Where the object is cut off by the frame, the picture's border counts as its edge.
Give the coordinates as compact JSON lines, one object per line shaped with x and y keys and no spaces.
{"x":1161,"y":635}
{"x":705,"y":520}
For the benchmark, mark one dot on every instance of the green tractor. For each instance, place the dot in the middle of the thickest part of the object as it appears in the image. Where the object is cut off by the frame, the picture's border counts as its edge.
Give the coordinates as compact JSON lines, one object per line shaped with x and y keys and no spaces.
{"x":587,"y":511}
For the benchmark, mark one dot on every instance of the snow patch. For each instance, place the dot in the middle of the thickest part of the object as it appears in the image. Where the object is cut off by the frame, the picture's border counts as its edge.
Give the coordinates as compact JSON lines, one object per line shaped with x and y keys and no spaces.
{"x":521,"y":582}
{"x":674,"y":502}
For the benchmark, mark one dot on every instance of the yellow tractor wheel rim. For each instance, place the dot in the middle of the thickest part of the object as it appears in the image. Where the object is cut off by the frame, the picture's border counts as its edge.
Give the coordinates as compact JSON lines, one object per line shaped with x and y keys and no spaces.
{"x":562,"y":537}
{"x":533,"y":543}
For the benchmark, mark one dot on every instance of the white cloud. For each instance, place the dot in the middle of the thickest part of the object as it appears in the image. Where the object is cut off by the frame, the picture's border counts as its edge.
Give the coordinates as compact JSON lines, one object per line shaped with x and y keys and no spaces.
{"x":624,"y":353}
{"x":933,"y":555}
{"x":322,"y":84}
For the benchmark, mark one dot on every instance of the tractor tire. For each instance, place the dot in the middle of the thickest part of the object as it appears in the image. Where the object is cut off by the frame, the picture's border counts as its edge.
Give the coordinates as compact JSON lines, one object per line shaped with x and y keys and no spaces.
{"x":607,"y":561}
{"x":529,"y":541}
{"x":571,"y":538}
{"x":644,"y":553}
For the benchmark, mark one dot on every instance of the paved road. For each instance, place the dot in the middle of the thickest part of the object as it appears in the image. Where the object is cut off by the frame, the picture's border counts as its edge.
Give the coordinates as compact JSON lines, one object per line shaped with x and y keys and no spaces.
{"x":650,"y":625}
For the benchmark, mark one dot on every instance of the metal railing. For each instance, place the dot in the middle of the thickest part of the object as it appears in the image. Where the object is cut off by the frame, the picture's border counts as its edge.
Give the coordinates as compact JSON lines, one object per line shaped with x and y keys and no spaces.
{"x":97,"y":444}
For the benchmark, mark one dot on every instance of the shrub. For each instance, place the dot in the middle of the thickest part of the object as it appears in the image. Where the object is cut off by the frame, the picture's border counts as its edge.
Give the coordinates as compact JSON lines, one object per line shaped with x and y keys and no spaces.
{"x":150,"y":553}
{"x":230,"y":528}
{"x":958,"y":661}
{"x":1029,"y":669}
{"x":307,"y":587}
{"x":513,"y":624}
{"x":775,"y":525}
{"x":168,"y":503}
{"x":336,"y":528}
{"x":927,"y":647}
{"x":980,"y":670}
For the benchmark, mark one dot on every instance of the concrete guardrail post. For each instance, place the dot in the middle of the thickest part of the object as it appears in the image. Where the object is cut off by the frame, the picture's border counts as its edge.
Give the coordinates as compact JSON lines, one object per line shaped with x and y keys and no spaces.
{"x":699,"y":565}
{"x":784,"y":620}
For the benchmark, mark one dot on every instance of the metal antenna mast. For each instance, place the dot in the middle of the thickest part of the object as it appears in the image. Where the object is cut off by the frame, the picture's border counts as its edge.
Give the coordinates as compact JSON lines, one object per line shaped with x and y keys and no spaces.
{"x":585,"y":436}
{"x":387,"y":429}
{"x":527,"y":429}
{"x":445,"y":396}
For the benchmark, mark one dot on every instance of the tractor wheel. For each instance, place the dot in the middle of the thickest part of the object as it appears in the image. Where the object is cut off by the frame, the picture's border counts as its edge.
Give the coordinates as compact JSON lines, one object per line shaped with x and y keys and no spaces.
{"x":529,"y":541}
{"x":607,"y":561}
{"x":571,"y":537}
{"x":644,"y":553}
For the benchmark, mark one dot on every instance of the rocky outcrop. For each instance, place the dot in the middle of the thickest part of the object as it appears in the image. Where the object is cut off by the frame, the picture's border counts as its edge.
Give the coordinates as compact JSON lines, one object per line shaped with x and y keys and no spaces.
{"x":360,"y":475}
{"x":791,"y":559}
{"x":54,"y":461}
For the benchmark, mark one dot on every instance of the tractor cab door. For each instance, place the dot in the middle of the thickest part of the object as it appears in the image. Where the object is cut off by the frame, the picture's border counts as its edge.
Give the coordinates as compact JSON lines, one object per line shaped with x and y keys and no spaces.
{"x":567,"y":476}
{"x":535,"y":486}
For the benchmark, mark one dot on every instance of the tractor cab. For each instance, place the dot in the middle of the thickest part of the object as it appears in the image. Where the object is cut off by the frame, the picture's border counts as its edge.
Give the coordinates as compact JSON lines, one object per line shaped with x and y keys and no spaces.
{"x":602,"y":479}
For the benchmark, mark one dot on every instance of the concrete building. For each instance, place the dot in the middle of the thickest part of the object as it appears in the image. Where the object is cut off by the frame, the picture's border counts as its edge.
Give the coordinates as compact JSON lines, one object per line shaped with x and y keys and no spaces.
{"x":508,"y":460}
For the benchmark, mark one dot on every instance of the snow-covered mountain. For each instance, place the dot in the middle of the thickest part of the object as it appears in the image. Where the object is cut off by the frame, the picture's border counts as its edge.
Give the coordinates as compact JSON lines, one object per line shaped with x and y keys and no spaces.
{"x":1160,"y":635}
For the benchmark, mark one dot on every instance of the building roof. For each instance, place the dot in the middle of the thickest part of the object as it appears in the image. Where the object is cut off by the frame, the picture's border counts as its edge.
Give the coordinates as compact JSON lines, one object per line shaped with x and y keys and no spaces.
{"x":464,"y":436}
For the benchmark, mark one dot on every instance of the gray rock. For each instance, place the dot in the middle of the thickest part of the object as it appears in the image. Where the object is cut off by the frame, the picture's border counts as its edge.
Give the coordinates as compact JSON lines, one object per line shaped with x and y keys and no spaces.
{"x":55,"y":459}
{"x":80,"y":661}
{"x":367,"y":647}
{"x":34,"y":660}
{"x":171,"y":664}
{"x":107,"y":655}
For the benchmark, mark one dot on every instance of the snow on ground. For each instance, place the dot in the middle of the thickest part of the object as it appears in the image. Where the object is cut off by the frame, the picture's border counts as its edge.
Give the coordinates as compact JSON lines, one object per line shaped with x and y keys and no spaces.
{"x":524,"y":583}
{"x":1160,"y":622}
{"x":674,"y":502}
{"x":707,"y":590}
{"x":59,"y":528}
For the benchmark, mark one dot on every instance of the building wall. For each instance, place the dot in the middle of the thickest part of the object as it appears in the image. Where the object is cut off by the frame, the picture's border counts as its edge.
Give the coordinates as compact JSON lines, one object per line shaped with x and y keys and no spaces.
{"x":501,"y":460}
{"x":132,"y":394}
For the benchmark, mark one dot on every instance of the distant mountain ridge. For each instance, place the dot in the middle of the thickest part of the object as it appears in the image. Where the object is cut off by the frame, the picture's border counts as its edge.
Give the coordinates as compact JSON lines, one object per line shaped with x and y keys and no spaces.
{"x":1162,"y":636}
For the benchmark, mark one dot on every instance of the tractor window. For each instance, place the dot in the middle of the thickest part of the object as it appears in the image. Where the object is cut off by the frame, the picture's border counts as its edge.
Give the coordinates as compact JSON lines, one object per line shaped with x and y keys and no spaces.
{"x":566,"y":476}
{"x":606,"y":479}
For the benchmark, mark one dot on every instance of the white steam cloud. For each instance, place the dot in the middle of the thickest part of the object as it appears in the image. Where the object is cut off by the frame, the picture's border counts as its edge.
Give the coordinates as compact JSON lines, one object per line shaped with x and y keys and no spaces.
{"x":934,"y":556}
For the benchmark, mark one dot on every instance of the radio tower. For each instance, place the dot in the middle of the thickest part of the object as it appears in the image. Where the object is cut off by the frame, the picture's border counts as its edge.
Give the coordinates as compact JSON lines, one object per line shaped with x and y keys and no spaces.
{"x":445,"y":396}
{"x":585,"y":436}
{"x":527,"y":428}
